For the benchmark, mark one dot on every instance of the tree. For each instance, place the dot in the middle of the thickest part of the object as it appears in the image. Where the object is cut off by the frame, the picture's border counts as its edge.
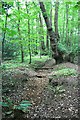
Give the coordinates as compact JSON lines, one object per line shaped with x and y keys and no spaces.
{"x":22,"y":53}
{"x":5,"y":6}
{"x":67,"y":29}
{"x":29,"y":45}
{"x":47,"y":36}
{"x":56,"y":53}
{"x":42,"y":46}
{"x":56,"y":20}
{"x":24,"y":31}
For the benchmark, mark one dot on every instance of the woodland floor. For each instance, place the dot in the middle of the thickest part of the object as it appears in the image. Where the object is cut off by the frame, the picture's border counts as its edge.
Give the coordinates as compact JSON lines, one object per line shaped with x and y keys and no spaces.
{"x":45,"y":103}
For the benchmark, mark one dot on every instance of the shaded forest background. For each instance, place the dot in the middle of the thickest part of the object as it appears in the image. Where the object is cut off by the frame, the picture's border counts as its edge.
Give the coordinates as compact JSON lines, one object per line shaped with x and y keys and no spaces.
{"x":24,"y":31}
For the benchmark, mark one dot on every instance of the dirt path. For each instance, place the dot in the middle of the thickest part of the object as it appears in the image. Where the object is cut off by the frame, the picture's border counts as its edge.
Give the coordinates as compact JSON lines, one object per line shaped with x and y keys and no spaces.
{"x":50,"y":105}
{"x":35,"y":86}
{"x":46,"y":103}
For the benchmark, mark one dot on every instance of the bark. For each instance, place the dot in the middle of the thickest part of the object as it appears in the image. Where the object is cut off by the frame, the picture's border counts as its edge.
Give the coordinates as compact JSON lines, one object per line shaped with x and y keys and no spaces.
{"x":63,"y":24}
{"x":29,"y":44}
{"x":33,"y":40}
{"x":56,"y":20}
{"x":72,"y":30}
{"x":5,"y":6}
{"x":56,"y":53}
{"x":67,"y":30}
{"x":51,"y":15}
{"x":47,"y":41}
{"x":4,"y":35}
{"x":36,"y":50}
{"x":22,"y":52}
{"x":41,"y":34}
{"x":47,"y":36}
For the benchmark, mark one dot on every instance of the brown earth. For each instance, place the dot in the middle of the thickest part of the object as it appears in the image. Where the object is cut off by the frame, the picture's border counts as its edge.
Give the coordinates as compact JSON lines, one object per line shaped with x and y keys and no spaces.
{"x":34,"y":86}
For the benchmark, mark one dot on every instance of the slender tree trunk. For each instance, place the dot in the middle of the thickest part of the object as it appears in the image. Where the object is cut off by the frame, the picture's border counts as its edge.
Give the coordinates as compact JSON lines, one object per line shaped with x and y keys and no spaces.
{"x":63,"y":25}
{"x":71,"y":32}
{"x":33,"y":49}
{"x":56,"y":53}
{"x":36,"y":52}
{"x":47,"y":36}
{"x":70,"y":44}
{"x":41,"y":35}
{"x":67,"y":30}
{"x":56,"y":20}
{"x":51,"y":14}
{"x":47,"y":41}
{"x":4,"y":35}
{"x":29,"y":45}
{"x":19,"y":32}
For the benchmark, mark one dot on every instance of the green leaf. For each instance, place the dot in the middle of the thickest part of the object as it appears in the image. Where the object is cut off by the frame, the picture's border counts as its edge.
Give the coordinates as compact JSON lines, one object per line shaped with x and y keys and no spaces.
{"x":4,"y":104}
{"x":25,"y":101}
{"x":9,"y":112}
{"x":25,"y":105}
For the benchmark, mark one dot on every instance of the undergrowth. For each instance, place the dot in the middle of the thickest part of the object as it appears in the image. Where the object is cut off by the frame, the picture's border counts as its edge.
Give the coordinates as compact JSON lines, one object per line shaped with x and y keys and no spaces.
{"x":11,"y":64}
{"x":57,"y":89}
{"x":65,"y":72}
{"x":9,"y":106}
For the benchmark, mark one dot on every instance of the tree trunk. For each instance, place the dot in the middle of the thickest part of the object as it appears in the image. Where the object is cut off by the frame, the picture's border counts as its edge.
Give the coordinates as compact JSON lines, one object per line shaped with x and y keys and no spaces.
{"x":47,"y":36}
{"x":56,"y":54}
{"x":47,"y":41}
{"x":63,"y":25}
{"x":36,"y":50}
{"x":67,"y":30}
{"x":41,"y":35}
{"x":4,"y":35}
{"x":56,"y":20}
{"x":29,"y":44}
{"x":22,"y":53}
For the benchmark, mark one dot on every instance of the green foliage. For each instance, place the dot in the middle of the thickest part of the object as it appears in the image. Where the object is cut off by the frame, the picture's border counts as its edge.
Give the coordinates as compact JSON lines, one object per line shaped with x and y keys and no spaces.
{"x":23,"y":106}
{"x":3,"y":67}
{"x":8,"y":104}
{"x":65,"y":72}
{"x":11,"y":64}
{"x":4,"y":104}
{"x":69,"y":52}
{"x":57,"y":89}
{"x":13,"y":40}
{"x":10,"y":50}
{"x":62,"y":48}
{"x":77,"y":5}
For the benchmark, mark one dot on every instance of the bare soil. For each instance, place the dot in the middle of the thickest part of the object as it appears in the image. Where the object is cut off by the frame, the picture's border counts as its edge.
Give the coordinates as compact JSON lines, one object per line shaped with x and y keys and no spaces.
{"x":34,"y":87}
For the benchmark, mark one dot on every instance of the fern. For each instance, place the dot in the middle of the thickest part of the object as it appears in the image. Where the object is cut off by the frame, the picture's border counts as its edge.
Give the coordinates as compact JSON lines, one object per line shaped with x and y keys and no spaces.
{"x":23,"y":106}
